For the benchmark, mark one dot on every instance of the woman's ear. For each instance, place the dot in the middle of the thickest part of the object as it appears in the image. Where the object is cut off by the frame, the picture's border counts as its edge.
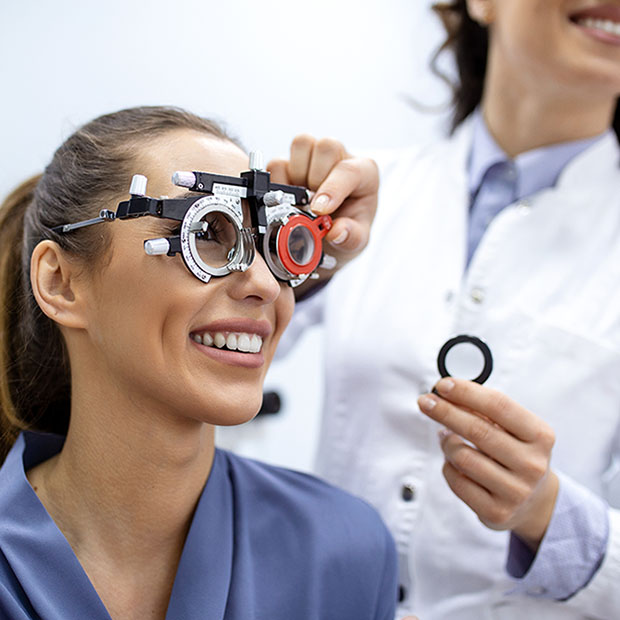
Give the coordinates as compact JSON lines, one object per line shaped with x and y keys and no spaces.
{"x":481,"y":11}
{"x":55,"y":285}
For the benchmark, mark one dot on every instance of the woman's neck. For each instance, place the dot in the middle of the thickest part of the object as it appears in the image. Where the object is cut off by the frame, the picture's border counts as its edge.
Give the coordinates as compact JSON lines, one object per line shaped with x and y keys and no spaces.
{"x":523,"y":115}
{"x":123,"y":491}
{"x":129,"y":488}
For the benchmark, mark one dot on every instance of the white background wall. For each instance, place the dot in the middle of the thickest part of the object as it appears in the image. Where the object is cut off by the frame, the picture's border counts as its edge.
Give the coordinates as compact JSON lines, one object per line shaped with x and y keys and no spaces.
{"x":267,"y":69}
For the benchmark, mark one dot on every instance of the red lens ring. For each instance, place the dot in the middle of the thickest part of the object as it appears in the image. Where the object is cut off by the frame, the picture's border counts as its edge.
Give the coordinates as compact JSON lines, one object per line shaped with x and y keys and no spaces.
{"x":318,"y":228}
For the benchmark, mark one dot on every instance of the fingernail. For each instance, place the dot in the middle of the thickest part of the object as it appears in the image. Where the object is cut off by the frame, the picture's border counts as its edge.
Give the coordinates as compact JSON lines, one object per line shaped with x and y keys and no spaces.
{"x":426,"y":403}
{"x":443,"y":433}
{"x":320,"y":204}
{"x":444,"y":386}
{"x":341,"y":238}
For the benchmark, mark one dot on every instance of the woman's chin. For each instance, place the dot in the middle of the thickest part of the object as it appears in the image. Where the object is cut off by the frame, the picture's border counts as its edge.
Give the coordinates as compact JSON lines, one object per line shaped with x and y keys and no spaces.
{"x":238,"y":419}
{"x":232,"y":414}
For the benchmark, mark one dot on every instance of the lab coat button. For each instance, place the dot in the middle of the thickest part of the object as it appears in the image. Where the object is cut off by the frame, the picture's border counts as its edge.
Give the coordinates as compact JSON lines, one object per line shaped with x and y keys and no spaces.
{"x":408,"y":492}
{"x":524,"y":206}
{"x":477,"y":295}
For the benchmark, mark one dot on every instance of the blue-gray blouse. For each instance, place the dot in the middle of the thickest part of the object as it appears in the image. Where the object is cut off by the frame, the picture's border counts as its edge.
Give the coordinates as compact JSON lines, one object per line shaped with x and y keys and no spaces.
{"x":265,"y":543}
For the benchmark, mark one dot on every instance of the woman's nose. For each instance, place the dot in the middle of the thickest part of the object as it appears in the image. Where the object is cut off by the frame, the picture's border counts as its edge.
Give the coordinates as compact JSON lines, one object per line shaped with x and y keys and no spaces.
{"x":257,"y":282}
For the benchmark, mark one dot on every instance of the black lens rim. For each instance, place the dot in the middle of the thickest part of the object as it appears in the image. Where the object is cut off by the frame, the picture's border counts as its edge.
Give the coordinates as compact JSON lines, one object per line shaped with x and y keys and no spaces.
{"x":479,"y":344}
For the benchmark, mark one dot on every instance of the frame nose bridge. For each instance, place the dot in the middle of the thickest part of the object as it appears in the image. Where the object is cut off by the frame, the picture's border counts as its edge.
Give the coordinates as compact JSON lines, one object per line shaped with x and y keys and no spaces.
{"x":248,"y":250}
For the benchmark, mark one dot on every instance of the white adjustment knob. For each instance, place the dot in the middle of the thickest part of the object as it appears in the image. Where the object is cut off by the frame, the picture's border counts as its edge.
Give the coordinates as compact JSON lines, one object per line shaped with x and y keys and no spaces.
{"x":156,"y":247}
{"x":199,"y":227}
{"x":257,"y":161}
{"x":273,"y":198}
{"x":184,"y":179}
{"x":138,"y":185}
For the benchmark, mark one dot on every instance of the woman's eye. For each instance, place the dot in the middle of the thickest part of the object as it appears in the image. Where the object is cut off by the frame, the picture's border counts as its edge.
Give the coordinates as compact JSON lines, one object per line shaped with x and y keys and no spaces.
{"x":215,"y":232}
{"x":208,"y":235}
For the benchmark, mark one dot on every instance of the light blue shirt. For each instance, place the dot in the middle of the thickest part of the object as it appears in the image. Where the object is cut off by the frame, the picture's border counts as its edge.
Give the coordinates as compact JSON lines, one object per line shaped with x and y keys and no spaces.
{"x":264,"y":542}
{"x":496,"y":181}
{"x":575,"y":542}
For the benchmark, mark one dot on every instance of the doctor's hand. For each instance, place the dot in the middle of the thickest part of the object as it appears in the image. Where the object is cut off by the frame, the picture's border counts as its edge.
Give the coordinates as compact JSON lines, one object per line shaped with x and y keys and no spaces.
{"x":345,"y":187}
{"x":503,"y":473}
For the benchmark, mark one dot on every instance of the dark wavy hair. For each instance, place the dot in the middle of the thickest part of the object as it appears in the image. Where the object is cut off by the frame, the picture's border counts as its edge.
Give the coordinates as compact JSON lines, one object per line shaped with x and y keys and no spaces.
{"x":469,"y":42}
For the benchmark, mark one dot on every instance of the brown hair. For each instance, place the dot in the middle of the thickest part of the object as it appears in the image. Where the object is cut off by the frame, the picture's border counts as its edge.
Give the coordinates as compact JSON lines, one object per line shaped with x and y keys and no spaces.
{"x":468,"y":41}
{"x":92,"y":167}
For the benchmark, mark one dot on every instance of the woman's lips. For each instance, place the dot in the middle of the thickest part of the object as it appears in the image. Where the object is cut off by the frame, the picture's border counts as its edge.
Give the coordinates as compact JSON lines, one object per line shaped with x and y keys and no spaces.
{"x":601,"y":22}
{"x":602,"y":11}
{"x":231,"y":358}
{"x":233,"y":341}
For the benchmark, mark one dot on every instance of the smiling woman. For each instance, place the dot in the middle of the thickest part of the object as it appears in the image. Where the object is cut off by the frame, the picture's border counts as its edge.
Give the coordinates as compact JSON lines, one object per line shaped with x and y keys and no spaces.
{"x":115,"y":367}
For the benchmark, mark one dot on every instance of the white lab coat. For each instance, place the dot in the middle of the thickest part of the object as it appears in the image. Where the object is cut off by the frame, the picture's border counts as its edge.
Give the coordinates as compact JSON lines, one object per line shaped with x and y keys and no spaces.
{"x":543,"y":290}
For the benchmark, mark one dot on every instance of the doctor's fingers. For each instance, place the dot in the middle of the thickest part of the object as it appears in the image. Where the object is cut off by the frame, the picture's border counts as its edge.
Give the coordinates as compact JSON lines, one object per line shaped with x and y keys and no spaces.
{"x":507,"y":487}
{"x":279,"y":171}
{"x":496,"y":511}
{"x":352,"y":216}
{"x":525,"y":458}
{"x":498,"y":408}
{"x":325,"y":167}
{"x":350,"y":189}
{"x":349,"y":194}
{"x":476,"y":497}
{"x":527,"y":514}
{"x":311,"y":160}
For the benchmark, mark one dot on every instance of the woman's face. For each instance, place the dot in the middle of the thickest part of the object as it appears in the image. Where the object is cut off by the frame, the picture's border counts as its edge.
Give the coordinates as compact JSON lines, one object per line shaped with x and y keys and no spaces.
{"x":569,"y":46}
{"x":145,"y":312}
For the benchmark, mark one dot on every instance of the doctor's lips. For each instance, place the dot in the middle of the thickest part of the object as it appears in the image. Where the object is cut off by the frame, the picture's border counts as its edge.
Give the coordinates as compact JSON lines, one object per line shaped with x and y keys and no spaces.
{"x":603,"y":20}
{"x":239,"y":335}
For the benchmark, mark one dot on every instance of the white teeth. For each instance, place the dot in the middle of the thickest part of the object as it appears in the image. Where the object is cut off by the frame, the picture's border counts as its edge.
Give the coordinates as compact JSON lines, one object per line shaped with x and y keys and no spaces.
{"x":231,"y":342}
{"x":256,"y":343}
{"x":243,"y":343}
{"x":601,"y":24}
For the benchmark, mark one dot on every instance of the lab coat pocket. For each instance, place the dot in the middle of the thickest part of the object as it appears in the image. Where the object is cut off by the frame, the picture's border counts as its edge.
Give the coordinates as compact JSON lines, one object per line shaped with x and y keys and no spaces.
{"x":571,"y":380}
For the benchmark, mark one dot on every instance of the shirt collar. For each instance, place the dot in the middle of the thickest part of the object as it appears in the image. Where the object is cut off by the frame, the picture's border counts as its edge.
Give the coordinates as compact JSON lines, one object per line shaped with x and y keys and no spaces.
{"x":38,"y":553}
{"x":535,"y":170}
{"x":485,"y":152}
